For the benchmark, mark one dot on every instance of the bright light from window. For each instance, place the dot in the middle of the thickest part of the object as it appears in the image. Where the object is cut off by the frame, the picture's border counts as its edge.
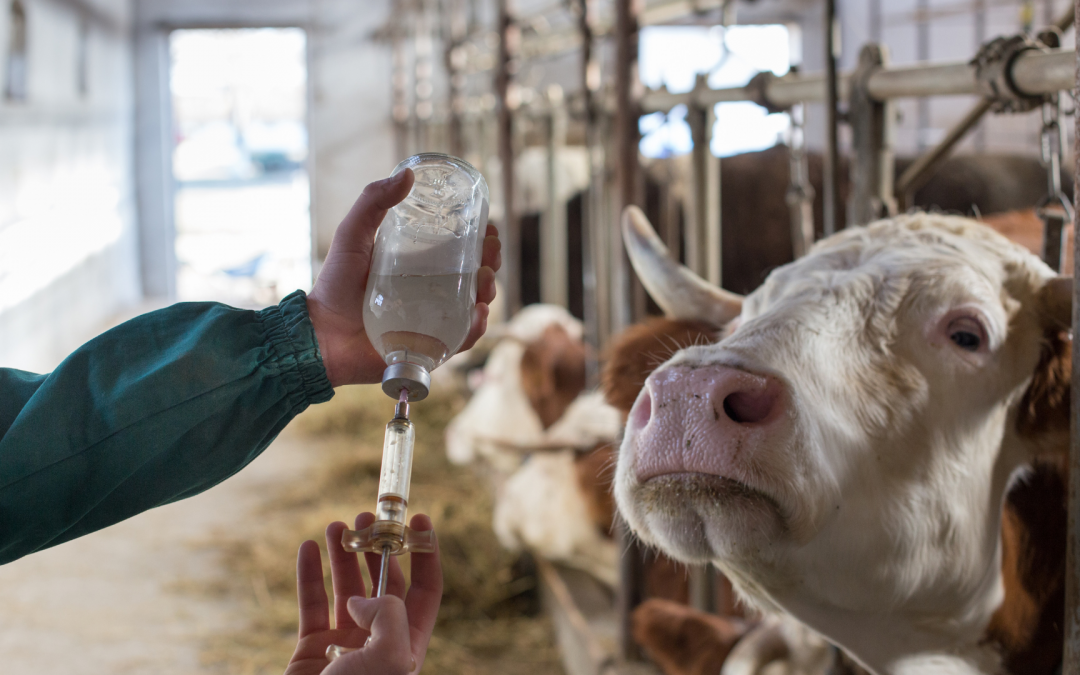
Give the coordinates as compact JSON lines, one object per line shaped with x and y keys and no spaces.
{"x":243,"y":220}
{"x":746,"y":127}
{"x":674,"y":55}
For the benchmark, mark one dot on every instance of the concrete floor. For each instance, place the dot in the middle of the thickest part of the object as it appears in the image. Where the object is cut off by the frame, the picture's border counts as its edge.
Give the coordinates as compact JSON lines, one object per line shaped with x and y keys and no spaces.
{"x":113,"y":603}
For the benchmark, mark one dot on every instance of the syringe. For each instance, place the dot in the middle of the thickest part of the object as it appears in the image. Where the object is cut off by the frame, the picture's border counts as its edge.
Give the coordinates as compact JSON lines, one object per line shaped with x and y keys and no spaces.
{"x":389,"y":535}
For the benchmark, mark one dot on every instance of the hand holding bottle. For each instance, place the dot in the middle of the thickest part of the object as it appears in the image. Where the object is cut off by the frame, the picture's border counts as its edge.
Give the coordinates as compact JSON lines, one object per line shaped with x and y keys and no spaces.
{"x":336,"y":303}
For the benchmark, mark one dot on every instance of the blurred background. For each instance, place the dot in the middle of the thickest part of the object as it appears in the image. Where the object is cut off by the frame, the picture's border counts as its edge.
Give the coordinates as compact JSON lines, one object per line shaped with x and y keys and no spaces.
{"x":154,"y":151}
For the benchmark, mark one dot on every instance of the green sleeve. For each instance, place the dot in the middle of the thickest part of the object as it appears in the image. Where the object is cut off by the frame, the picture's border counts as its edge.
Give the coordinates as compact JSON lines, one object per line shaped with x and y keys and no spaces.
{"x":157,"y":409}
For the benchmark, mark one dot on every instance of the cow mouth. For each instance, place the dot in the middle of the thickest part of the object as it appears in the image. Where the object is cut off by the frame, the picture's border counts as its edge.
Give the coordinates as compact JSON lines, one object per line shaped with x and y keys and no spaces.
{"x":701,"y":516}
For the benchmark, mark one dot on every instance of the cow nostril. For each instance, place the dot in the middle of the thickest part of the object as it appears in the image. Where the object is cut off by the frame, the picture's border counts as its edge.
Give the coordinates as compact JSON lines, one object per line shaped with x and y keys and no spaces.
{"x":746,"y":407}
{"x":642,"y":411}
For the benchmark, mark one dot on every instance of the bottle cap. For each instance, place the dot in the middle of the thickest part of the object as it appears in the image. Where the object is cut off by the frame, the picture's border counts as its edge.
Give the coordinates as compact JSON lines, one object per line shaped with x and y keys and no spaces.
{"x":408,"y":376}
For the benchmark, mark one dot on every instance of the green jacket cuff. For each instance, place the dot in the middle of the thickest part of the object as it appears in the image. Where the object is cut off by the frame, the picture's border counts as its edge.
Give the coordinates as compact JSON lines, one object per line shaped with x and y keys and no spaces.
{"x":291,"y":338}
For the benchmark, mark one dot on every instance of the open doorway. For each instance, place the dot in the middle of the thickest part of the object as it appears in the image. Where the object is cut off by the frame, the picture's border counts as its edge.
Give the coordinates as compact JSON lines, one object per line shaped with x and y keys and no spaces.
{"x":240,"y":147}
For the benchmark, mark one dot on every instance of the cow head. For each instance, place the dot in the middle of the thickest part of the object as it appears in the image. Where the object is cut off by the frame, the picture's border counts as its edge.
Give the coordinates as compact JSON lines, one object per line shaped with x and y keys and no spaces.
{"x":843,"y":452}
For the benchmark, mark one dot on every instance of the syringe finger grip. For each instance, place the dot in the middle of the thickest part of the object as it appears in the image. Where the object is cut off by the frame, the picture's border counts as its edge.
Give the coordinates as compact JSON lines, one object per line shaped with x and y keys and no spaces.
{"x":374,"y":539}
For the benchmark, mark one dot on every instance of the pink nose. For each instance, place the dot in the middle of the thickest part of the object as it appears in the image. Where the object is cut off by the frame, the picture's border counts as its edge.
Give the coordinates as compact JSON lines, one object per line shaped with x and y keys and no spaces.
{"x":704,"y":419}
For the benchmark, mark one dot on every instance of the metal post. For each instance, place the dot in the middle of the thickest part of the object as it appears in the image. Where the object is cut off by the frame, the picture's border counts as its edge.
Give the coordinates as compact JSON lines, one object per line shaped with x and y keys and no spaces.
{"x":1071,"y":661}
{"x":800,"y":194}
{"x":454,"y":57}
{"x":425,"y":71}
{"x":400,"y":83}
{"x":980,"y":37}
{"x":831,"y":201}
{"x":922,"y":55}
{"x":592,"y":260}
{"x":553,"y":236}
{"x":703,"y":223}
{"x":625,"y":153}
{"x":713,"y":225}
{"x":872,"y":124}
{"x":702,"y":583}
{"x":511,"y":237}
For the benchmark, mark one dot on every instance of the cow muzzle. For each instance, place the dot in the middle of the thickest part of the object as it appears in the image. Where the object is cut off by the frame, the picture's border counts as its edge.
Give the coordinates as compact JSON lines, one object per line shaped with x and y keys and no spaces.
{"x":714,"y":420}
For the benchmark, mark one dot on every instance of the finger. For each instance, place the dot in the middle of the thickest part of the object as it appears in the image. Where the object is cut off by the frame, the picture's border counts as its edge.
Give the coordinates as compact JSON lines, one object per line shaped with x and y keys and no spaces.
{"x":478,"y":327}
{"x":485,"y":285}
{"x":310,"y":591}
{"x":491,"y":231}
{"x":345,"y":572}
{"x":356,"y":233}
{"x":389,"y":651}
{"x":425,"y":591}
{"x":491,"y":255}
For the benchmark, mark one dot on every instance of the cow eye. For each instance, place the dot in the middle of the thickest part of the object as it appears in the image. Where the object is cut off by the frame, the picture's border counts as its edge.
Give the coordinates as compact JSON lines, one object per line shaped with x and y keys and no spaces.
{"x":966,"y":333}
{"x":966,"y":340}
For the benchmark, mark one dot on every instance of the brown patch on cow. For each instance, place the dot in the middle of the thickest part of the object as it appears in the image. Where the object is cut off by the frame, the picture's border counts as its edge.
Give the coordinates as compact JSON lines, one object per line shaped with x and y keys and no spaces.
{"x":682,"y":640}
{"x":596,"y":476}
{"x":553,"y":373}
{"x":640,"y":349}
{"x":1028,"y":627}
{"x":1044,"y":408}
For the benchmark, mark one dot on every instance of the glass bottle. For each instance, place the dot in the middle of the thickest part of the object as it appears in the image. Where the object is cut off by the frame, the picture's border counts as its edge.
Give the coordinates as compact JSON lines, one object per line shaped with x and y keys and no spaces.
{"x":422,"y":286}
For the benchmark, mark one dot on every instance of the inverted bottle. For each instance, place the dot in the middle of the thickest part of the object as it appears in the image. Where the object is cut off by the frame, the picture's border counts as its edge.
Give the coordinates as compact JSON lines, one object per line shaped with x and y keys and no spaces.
{"x":422,"y":286}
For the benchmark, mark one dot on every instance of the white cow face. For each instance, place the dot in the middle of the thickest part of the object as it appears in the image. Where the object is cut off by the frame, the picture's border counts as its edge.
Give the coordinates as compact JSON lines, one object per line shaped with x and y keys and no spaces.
{"x":846,"y":447}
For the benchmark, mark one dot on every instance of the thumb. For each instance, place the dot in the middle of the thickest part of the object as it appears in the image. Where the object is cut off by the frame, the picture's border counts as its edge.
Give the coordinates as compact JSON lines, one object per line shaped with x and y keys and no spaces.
{"x":389,"y":648}
{"x":356,"y":232}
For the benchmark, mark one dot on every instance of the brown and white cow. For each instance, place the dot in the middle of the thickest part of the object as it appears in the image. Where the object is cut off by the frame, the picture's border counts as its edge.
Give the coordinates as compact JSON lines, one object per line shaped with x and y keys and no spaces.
{"x":844,"y":452}
{"x":545,"y":443}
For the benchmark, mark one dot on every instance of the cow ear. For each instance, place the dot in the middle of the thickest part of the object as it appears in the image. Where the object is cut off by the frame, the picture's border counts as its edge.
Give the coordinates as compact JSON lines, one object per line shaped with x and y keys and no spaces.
{"x":1044,"y":409}
{"x":1055,"y":303}
{"x":640,"y":349}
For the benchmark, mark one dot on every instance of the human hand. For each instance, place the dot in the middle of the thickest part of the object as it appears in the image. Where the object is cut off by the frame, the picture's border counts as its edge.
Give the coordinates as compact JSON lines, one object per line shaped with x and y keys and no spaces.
{"x":399,"y":623}
{"x":336,"y":303}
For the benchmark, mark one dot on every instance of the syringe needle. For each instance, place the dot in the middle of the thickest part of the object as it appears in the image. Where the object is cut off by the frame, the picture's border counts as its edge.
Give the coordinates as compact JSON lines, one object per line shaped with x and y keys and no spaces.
{"x":384,"y":565}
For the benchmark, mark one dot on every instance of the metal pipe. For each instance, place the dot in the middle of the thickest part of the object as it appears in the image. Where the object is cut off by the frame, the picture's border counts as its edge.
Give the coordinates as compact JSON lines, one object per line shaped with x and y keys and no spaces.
{"x":916,"y":175}
{"x":1034,"y":72}
{"x":1071,"y":657}
{"x":592,"y":262}
{"x":553,"y":234}
{"x":626,"y":157}
{"x":831,"y":183}
{"x":920,"y":171}
{"x":511,"y":239}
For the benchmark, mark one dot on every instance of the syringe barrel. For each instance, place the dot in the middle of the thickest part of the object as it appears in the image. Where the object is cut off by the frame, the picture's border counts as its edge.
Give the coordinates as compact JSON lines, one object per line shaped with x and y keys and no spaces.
{"x":397,"y":462}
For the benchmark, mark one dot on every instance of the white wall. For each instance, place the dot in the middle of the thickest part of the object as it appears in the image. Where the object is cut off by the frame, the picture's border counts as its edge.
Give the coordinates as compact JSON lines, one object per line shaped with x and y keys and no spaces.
{"x":68,"y":259}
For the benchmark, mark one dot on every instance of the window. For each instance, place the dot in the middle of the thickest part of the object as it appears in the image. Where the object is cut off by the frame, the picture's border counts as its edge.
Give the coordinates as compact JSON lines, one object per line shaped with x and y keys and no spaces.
{"x":15,"y":75}
{"x":729,"y":56}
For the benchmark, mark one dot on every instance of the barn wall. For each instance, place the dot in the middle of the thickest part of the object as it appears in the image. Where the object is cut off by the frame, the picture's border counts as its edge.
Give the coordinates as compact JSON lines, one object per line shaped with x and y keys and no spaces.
{"x":68,"y":246}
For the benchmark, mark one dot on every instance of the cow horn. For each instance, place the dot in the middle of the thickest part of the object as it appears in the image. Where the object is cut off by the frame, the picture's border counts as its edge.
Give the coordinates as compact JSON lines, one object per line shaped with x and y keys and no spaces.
{"x":679,"y":292}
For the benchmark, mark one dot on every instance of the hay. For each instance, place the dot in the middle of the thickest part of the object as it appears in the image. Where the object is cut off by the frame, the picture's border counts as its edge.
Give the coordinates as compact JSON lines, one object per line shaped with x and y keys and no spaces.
{"x":489,"y":622}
